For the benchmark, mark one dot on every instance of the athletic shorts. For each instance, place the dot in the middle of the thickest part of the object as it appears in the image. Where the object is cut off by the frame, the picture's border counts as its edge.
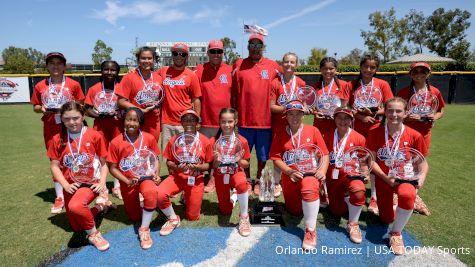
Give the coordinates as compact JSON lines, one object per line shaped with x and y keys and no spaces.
{"x":261,"y":138}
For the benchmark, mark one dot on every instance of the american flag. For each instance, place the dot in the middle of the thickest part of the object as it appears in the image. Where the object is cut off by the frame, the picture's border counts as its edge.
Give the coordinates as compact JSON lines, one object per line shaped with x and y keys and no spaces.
{"x":255,"y":29}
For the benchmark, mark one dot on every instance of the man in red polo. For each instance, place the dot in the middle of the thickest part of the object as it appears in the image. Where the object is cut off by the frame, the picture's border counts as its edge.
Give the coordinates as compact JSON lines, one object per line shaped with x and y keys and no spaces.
{"x":182,"y":92}
{"x":215,"y":79}
{"x":252,"y":80}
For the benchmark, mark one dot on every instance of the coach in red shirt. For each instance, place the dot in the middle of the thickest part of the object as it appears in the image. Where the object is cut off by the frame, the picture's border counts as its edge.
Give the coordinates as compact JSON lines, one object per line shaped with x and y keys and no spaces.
{"x":251,"y":96}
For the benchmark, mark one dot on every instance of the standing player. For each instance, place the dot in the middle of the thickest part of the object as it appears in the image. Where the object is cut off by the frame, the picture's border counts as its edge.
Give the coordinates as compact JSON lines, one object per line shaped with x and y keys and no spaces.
{"x":124,"y":151}
{"x":182,"y":90}
{"x":252,"y":80}
{"x":329,"y":86}
{"x":345,"y":195}
{"x":284,"y":89}
{"x":67,"y":151}
{"x":215,"y":81}
{"x":101,"y":104}
{"x":141,"y":89}
{"x":59,"y":85}
{"x":385,"y":142}
{"x":420,"y":73}
{"x":301,"y":193}
{"x":228,"y":123}
{"x":187,"y":177}
{"x":366,"y":119}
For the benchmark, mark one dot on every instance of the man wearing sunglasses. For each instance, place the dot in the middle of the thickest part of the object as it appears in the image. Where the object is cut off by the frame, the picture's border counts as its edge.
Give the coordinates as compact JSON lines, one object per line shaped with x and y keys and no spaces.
{"x":182,"y":92}
{"x":215,"y":81}
{"x":252,"y":81}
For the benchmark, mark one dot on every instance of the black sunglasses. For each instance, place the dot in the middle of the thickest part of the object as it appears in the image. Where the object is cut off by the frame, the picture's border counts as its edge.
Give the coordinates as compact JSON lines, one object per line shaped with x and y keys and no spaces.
{"x":181,"y":54}
{"x":215,"y":51}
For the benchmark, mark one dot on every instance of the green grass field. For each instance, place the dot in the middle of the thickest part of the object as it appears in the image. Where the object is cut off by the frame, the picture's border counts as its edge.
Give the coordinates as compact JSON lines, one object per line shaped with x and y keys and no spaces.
{"x":29,"y":233}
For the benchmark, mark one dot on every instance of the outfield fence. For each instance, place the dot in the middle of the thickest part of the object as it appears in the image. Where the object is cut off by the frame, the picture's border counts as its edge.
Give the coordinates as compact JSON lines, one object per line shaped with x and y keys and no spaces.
{"x":456,"y":87}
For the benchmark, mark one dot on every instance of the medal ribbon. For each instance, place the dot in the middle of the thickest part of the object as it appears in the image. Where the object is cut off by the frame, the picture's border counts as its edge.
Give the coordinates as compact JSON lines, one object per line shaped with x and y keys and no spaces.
{"x":394,"y":149}
{"x":426,"y":92}
{"x":288,"y":96}
{"x":136,"y":151}
{"x":363,"y":90}
{"x":78,"y":144}
{"x":299,"y":136}
{"x":52,"y":87}
{"x":143,"y":80}
{"x":339,"y":146}
{"x":329,"y":88}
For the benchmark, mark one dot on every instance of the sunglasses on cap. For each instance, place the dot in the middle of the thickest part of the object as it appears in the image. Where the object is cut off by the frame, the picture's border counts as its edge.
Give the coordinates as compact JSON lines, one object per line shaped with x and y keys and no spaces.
{"x":181,"y":54}
{"x":258,"y":46}
{"x":215,"y":51}
{"x":294,"y":106}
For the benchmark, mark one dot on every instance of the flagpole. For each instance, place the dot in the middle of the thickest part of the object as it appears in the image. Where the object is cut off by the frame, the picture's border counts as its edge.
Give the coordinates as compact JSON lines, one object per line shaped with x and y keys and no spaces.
{"x":242,"y":41}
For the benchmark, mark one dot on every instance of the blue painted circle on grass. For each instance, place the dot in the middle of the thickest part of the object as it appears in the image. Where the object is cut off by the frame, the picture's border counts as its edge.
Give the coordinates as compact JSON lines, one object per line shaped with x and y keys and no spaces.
{"x":278,"y":246}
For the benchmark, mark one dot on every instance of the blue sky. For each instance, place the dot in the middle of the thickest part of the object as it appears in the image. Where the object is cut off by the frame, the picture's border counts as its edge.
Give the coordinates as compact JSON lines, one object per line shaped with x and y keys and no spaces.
{"x":73,"y":27}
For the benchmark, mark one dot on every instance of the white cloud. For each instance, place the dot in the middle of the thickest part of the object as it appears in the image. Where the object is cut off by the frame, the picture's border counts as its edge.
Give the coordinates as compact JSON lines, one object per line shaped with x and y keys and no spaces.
{"x":212,"y":15}
{"x":304,"y":11}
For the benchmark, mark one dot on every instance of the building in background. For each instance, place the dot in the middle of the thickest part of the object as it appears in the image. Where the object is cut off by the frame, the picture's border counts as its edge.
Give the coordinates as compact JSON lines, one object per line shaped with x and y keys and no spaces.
{"x":196,"y":56}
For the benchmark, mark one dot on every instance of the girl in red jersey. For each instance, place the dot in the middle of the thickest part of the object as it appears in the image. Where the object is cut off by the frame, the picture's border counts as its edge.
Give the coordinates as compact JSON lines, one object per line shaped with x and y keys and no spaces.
{"x":101,"y":104}
{"x":367,"y":96}
{"x":237,"y":178}
{"x":283,"y":89}
{"x":301,"y":192}
{"x":420,"y":85}
{"x":142,"y":88}
{"x":330,"y":91}
{"x":346,"y":196}
{"x":65,"y":89}
{"x":185,"y":176}
{"x":125,"y":152}
{"x":385,"y":142}
{"x":74,"y":151}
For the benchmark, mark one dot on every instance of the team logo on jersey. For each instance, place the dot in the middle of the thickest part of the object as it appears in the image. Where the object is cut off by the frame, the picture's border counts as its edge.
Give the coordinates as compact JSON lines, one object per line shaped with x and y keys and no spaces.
{"x":264,"y":75}
{"x":223,"y":79}
{"x":80,"y":158}
{"x":7,"y":88}
{"x":172,"y":83}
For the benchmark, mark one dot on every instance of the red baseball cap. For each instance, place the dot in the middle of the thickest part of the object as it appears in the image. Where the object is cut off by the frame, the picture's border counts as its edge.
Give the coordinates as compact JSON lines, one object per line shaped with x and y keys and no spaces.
{"x":190,"y":111}
{"x":346,"y":111}
{"x":294,"y":105}
{"x":420,"y":64}
{"x":180,"y":46}
{"x":215,"y":44}
{"x":51,"y":55}
{"x":257,"y":36}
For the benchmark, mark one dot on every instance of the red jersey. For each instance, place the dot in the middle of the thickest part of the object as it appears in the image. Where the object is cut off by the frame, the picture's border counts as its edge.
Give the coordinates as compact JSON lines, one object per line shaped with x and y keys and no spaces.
{"x":121,"y":151}
{"x":245,"y":146}
{"x":252,"y":87}
{"x":95,"y":92}
{"x":278,"y":94}
{"x":282,"y":141}
{"x":421,"y":126}
{"x":386,"y":94}
{"x":92,"y":145}
{"x":204,"y":154}
{"x":70,"y":86}
{"x":216,"y":92}
{"x":376,"y":142}
{"x":133,"y":88}
{"x":328,"y":125}
{"x":354,"y":139}
{"x":181,"y":87}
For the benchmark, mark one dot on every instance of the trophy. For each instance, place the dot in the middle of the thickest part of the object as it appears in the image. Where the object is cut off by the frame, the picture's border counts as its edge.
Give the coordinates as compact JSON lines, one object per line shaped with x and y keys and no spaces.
{"x":423,"y":103}
{"x":145,"y":164}
{"x":406,"y":166}
{"x":266,"y":211}
{"x":187,"y":149}
{"x":105,"y":103}
{"x":357,"y":163}
{"x":327,"y":103}
{"x":308,"y":97}
{"x":229,"y":151}
{"x":371,"y":99}
{"x":53,"y":99}
{"x":85,"y":169}
{"x":151,"y":95}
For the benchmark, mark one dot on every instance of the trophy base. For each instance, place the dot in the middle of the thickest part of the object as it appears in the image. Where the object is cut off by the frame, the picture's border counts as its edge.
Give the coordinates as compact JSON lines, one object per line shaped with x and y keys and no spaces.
{"x":413,"y":182}
{"x":85,"y":185}
{"x":267,"y":213}
{"x":105,"y":115}
{"x":144,"y":178}
{"x":52,"y":110}
{"x":356,"y":177}
{"x":373,"y":109}
{"x":307,"y":174}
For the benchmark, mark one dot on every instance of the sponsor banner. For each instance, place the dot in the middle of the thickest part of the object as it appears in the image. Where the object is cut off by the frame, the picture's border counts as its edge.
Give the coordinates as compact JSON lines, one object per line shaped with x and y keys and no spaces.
{"x":14,"y":89}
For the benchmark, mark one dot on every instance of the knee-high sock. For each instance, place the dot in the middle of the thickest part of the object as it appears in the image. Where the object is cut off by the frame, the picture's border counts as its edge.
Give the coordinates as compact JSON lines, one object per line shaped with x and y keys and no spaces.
{"x":91,"y":231}
{"x":116,"y":183}
{"x":146,"y":218}
{"x":353,"y":211}
{"x":402,"y":217}
{"x":373,"y":186}
{"x":58,"y":188}
{"x":310,"y":213}
{"x":169,"y":212}
{"x":243,"y":203}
